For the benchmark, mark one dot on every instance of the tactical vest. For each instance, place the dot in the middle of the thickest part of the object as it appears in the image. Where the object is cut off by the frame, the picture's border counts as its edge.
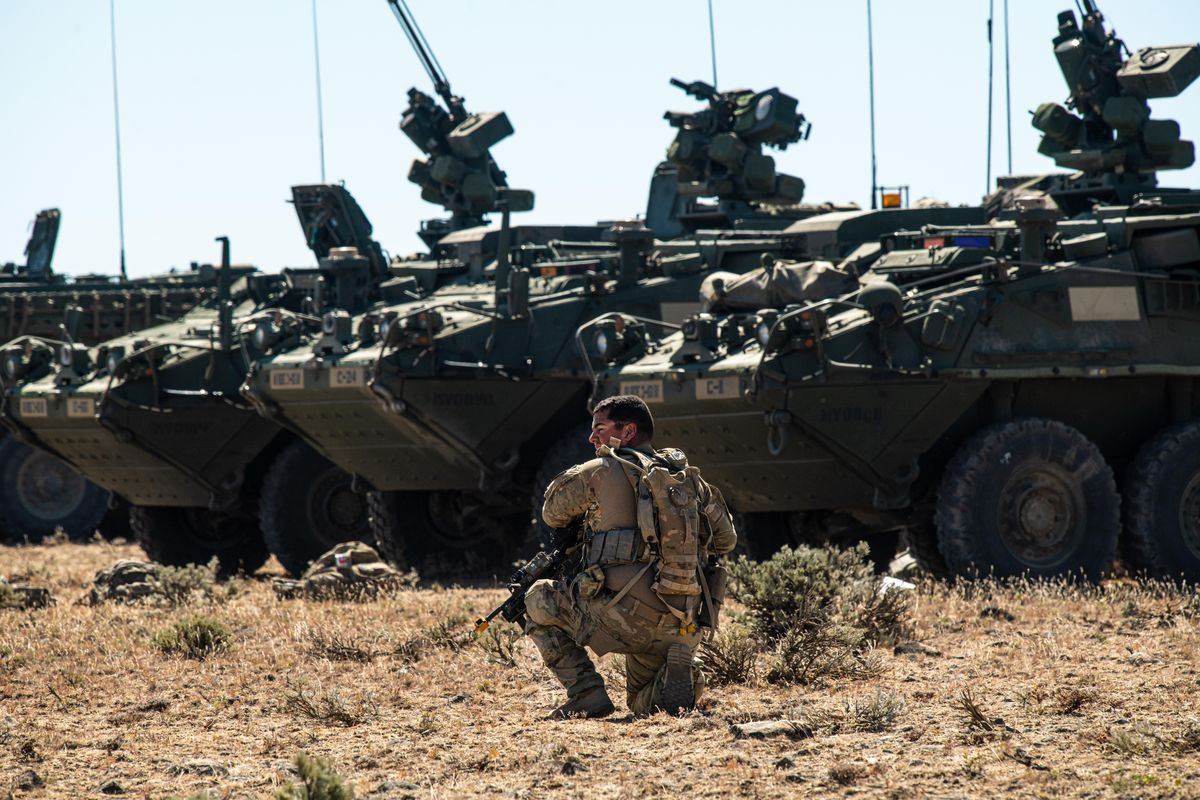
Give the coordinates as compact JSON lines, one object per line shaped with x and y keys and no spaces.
{"x":670,"y":514}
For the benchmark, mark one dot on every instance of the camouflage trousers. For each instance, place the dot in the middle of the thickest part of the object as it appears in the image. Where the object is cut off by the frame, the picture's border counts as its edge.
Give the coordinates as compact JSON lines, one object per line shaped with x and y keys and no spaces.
{"x":561,"y":619}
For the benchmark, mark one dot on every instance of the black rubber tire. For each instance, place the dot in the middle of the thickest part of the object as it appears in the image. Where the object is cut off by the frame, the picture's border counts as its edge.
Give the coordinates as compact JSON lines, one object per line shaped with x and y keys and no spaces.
{"x":387,"y":517}
{"x":306,"y":507}
{"x":1161,"y":512}
{"x":181,"y":536}
{"x":408,"y":533}
{"x":40,"y":493}
{"x":570,"y":449}
{"x":1017,"y":480}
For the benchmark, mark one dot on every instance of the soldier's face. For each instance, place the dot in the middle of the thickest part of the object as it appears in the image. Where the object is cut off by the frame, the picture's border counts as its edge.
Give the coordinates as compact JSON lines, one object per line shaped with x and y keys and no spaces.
{"x":604,"y":429}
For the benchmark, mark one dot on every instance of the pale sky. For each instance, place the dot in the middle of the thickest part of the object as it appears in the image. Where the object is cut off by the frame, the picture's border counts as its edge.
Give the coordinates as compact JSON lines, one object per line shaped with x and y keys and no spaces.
{"x":218,"y":106}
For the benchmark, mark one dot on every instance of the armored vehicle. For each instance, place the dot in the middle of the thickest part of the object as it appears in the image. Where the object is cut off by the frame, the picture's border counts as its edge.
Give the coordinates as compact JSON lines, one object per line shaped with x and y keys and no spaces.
{"x":1019,"y":397}
{"x":156,"y":416}
{"x":41,"y":493}
{"x":455,"y":410}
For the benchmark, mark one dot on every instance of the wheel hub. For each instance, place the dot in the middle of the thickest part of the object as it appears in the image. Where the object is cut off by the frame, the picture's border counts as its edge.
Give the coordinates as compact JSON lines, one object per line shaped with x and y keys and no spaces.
{"x":48,"y":488}
{"x":1189,"y":515}
{"x":1039,"y":521}
{"x":458,"y":524}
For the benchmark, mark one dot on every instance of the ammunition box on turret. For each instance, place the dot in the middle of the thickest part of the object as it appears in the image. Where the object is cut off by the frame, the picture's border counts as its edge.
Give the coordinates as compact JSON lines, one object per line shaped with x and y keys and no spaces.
{"x":1160,"y":71}
{"x":474,"y":135}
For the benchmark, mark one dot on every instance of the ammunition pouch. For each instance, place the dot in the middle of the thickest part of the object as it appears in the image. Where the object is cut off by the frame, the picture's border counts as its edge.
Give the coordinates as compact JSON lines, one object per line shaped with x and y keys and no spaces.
{"x":620,"y":546}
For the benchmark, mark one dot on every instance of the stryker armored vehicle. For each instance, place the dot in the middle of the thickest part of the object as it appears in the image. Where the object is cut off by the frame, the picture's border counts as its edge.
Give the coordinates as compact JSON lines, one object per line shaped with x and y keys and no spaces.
{"x":454,"y":410}
{"x":1020,"y":397}
{"x":174,"y":438}
{"x":39,"y":493}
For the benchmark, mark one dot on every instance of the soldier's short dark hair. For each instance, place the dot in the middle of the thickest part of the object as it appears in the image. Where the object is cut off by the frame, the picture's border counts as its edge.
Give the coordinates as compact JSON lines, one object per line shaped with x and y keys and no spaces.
{"x":625,"y":408}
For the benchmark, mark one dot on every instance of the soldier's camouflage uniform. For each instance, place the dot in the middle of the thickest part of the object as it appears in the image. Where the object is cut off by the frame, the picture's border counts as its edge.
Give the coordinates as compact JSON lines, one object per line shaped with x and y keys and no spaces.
{"x":591,"y":610}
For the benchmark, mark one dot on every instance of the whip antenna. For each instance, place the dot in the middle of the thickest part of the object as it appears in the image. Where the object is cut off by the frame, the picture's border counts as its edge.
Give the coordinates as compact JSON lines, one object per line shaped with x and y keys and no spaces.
{"x":1007,"y":90}
{"x":988,"y":185}
{"x":712,"y":43}
{"x":320,"y":111}
{"x":112,"y":29}
{"x":871,"y":94}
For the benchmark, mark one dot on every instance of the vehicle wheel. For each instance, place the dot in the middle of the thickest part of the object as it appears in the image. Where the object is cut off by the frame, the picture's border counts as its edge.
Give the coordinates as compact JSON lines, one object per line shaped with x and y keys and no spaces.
{"x":572,"y":448}
{"x":306,"y":507}
{"x":448,"y":531}
{"x":1028,"y":497}
{"x":181,"y":536}
{"x":41,"y":493}
{"x":1162,"y":505}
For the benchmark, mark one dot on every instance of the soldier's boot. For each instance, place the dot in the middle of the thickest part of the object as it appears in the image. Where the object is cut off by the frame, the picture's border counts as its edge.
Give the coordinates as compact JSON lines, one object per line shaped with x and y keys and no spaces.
{"x":590,"y":704}
{"x":569,"y":662}
{"x":678,"y":690}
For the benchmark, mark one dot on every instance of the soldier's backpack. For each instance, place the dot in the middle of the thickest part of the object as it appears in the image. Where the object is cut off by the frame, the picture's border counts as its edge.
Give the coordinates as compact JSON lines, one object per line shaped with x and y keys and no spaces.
{"x":673,"y":502}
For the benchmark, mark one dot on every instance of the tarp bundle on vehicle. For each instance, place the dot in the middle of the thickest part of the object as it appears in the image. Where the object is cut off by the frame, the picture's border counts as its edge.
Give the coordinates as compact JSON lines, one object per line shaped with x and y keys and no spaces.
{"x":776,"y":285}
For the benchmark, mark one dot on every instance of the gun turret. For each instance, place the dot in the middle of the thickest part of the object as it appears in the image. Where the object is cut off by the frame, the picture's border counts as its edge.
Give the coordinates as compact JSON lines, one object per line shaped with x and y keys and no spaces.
{"x":459,"y":174}
{"x":1105,"y":127}
{"x":718,"y":152}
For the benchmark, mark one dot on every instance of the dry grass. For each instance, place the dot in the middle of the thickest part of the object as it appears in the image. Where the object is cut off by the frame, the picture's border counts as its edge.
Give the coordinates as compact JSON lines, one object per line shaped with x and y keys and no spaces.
{"x":1083,"y":693}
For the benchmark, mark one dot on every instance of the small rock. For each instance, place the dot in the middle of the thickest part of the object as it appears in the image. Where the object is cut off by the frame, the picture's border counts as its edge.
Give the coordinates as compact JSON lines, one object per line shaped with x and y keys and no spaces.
{"x":784,"y":763}
{"x":392,"y":786}
{"x":767,"y":729}
{"x":198,"y":766}
{"x":459,"y":698}
{"x":112,"y":787}
{"x":571,"y":766}
{"x":996,"y":612}
{"x":28,"y":780}
{"x":915,"y":648}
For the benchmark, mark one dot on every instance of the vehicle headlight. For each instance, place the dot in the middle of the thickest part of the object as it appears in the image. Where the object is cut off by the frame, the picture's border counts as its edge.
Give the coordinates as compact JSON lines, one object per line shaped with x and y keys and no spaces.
{"x":763,"y":333}
{"x":385,"y":328}
{"x":264,"y":337}
{"x":66,"y":356}
{"x":601,"y":342}
{"x":113,"y":361}
{"x":329,"y":323}
{"x":14,"y":365}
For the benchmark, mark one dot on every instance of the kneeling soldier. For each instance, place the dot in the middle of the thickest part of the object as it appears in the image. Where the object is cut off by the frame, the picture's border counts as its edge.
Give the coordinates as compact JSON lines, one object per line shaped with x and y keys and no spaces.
{"x":650,"y":523}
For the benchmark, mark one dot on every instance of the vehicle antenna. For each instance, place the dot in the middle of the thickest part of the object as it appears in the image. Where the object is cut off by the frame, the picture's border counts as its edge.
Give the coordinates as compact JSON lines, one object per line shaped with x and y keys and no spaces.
{"x":991,"y":13}
{"x":320,"y":109}
{"x":712,"y":43}
{"x":441,"y":84}
{"x":112,"y":28}
{"x":1007,"y":90}
{"x":871,"y":94}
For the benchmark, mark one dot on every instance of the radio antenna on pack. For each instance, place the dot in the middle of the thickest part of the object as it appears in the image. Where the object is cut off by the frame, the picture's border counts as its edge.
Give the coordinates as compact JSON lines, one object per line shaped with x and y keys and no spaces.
{"x":712,"y":43}
{"x":320,"y":108}
{"x":112,"y":29}
{"x":441,"y":84}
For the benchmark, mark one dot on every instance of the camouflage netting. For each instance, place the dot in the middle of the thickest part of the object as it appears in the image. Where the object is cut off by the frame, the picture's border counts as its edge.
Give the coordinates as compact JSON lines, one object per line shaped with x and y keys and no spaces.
{"x":20,"y":596}
{"x":775,"y":286}
{"x":350,"y":571}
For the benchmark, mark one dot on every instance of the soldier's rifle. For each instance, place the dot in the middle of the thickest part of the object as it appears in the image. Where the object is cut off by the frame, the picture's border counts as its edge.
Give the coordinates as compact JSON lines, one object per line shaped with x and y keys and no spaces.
{"x":544,"y":564}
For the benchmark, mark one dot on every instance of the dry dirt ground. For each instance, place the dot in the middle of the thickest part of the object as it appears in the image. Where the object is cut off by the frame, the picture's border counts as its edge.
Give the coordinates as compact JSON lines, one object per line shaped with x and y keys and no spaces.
{"x":1078,"y":696}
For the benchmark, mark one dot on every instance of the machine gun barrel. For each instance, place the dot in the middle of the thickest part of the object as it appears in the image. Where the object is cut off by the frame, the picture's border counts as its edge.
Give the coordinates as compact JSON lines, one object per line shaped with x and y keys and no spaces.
{"x":698,"y":89}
